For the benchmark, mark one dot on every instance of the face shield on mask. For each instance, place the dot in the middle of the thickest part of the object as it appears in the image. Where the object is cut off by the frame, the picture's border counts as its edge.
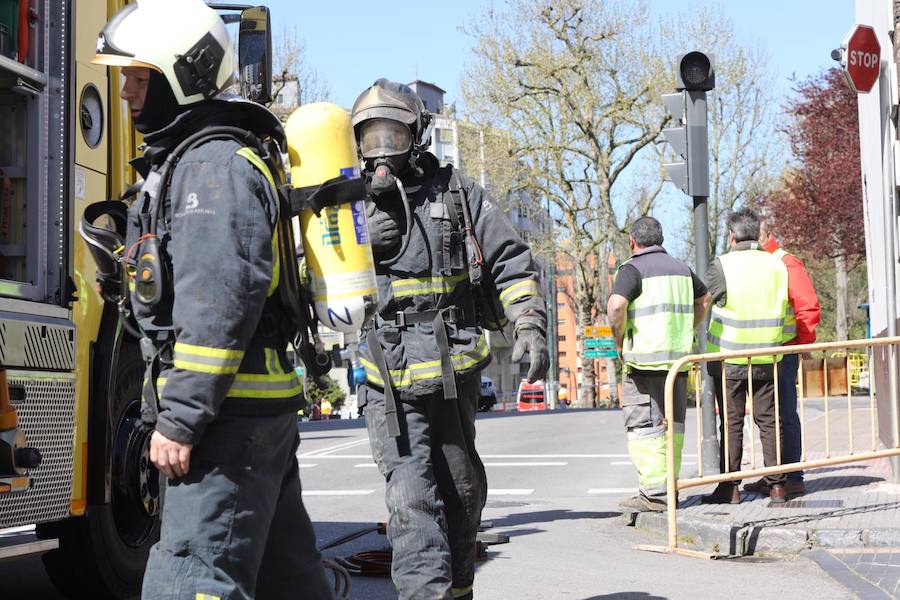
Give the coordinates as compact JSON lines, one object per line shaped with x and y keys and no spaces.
{"x":385,"y":145}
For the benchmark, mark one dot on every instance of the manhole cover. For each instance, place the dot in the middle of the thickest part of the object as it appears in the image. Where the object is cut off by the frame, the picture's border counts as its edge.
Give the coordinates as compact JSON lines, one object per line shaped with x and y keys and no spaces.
{"x":809,"y":504}
{"x":504,"y":504}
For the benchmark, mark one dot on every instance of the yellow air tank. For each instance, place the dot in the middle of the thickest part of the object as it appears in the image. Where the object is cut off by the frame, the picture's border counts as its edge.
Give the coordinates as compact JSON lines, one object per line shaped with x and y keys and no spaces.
{"x":321,"y":147}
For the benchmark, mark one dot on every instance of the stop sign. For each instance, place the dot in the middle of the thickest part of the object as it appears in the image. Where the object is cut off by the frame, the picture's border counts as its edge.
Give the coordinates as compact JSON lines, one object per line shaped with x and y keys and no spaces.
{"x":862,"y":61}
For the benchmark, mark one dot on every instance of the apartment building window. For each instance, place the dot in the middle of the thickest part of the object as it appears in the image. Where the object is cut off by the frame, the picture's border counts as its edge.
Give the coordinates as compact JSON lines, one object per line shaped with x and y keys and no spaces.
{"x":445,"y":135}
{"x":562,"y":338}
{"x":562,"y":354}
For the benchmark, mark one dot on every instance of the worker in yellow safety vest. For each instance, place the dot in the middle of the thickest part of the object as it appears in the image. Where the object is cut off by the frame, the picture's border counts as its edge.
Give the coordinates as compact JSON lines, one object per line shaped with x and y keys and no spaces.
{"x":749,"y":288}
{"x":656,"y":303}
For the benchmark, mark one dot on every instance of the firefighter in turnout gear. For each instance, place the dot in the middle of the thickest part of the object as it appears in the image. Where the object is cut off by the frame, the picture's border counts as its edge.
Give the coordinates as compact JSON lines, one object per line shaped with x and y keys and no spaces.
{"x":205,"y":271}
{"x":449,"y":264}
{"x":655,"y":306}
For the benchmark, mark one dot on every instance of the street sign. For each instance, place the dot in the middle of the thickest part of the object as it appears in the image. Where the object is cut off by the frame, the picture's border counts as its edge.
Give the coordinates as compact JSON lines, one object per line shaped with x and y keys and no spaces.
{"x":861,"y":59}
{"x":601,"y":353}
{"x":604,"y":342}
{"x":596,"y":331}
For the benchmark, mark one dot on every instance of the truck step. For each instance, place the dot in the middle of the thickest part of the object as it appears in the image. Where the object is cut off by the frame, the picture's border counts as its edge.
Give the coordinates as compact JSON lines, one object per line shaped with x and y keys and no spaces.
{"x":20,"y":542}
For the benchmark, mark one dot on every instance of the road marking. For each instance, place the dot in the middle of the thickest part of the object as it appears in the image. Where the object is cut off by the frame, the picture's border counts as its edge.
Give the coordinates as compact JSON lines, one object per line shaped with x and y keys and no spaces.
{"x":306,"y":466}
{"x":525,"y":464}
{"x":620,"y":463}
{"x":611,"y":491}
{"x":315,"y":454}
{"x":337,"y":492}
{"x":364,"y":465}
{"x":510,"y":492}
{"x":332,"y":449}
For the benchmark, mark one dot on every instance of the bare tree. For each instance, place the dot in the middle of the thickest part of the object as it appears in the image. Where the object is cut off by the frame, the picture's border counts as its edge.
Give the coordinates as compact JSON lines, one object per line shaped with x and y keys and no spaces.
{"x":743,"y":141}
{"x":575,"y":83}
{"x":290,"y":64}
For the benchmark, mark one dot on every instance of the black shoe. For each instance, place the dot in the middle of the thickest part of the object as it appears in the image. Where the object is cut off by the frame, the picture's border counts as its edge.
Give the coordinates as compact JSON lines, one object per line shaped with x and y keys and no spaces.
{"x":725,"y":493}
{"x":759,"y":487}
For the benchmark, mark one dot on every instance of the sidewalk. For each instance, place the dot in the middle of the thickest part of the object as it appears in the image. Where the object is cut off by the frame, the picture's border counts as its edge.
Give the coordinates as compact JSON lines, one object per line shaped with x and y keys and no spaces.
{"x":845,"y":506}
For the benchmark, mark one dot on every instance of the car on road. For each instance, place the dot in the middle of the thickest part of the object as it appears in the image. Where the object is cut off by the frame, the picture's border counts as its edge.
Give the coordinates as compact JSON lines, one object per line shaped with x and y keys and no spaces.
{"x":488,"y":396}
{"x":531,"y":396}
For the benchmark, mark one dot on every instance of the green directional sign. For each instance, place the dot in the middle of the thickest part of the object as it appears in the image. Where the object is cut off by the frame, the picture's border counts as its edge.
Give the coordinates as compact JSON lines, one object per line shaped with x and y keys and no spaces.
{"x":604,"y":342}
{"x":601,"y":353}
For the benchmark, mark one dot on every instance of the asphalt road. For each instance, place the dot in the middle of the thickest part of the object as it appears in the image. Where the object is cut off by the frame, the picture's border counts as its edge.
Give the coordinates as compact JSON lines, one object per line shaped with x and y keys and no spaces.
{"x":555,"y":479}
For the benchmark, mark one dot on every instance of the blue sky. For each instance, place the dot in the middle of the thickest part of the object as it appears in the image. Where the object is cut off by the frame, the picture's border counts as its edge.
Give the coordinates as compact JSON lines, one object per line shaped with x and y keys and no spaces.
{"x":352,"y":43}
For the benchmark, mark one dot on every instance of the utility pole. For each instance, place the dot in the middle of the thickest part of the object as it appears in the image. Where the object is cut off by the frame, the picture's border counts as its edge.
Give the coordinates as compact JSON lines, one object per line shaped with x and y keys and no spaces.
{"x":694,"y":76}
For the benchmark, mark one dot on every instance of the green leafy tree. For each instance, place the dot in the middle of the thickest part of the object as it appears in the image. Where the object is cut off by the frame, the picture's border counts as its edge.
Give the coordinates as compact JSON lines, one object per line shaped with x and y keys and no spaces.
{"x":331,"y":392}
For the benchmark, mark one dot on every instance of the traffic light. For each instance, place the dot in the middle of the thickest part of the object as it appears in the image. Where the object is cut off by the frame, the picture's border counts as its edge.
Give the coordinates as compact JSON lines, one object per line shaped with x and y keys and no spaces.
{"x":694,"y":76}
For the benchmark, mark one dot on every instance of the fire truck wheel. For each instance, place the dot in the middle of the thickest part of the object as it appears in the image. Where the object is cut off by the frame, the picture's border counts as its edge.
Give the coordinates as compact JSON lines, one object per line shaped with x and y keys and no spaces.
{"x":103,"y":554}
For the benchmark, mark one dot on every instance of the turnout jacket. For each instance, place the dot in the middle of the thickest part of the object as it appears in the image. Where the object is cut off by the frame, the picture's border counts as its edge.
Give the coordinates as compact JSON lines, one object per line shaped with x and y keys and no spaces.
{"x":215,"y":338}
{"x":432,"y":274}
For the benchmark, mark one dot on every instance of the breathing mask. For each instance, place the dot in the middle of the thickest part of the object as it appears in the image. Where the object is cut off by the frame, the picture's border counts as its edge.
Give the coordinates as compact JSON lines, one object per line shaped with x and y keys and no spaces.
{"x":385,"y":146}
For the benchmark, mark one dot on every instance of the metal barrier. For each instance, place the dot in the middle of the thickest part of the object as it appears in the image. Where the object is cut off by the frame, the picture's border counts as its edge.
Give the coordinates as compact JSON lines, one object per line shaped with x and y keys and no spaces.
{"x":674,"y":484}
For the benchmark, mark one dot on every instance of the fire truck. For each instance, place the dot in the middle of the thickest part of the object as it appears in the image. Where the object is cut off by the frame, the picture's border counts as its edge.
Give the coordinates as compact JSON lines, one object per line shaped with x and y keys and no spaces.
{"x":76,"y":485}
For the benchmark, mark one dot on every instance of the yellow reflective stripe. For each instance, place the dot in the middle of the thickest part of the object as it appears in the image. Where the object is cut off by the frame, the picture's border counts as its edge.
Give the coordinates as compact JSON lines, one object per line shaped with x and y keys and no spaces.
{"x":200,"y":596}
{"x":252,"y":385}
{"x":257,"y":162}
{"x":276,"y":264}
{"x":256,"y":385}
{"x":460,"y":592}
{"x":430,"y":369}
{"x":214,"y":361}
{"x":208,"y":351}
{"x":529,"y":287}
{"x":271,"y":361}
{"x":426,"y":285}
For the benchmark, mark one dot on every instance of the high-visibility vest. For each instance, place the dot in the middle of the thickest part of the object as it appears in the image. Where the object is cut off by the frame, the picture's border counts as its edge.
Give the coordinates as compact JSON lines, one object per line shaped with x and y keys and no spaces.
{"x":755,"y":305}
{"x":790,"y":319}
{"x":660,"y":325}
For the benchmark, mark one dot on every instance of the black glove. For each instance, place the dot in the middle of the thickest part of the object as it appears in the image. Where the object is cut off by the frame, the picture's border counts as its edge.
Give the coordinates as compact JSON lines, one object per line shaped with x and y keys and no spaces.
{"x":384,"y":230}
{"x":533,"y":342}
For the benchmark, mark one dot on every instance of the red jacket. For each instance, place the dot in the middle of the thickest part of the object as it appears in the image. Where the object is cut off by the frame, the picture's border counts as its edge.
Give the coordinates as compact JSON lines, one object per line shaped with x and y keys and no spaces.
{"x":801,"y":294}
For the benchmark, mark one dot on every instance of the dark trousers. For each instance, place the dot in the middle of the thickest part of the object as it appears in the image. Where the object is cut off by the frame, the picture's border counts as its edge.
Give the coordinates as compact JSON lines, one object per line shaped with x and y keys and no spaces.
{"x":763,"y":415}
{"x":436,"y":488}
{"x":235,"y":526}
{"x":790,"y":420}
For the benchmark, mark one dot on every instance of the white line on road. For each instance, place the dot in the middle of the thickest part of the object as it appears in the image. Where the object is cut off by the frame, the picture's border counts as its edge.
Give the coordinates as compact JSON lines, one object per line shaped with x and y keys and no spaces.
{"x":525,"y":464}
{"x":611,"y":491}
{"x":314,"y":454}
{"x":620,"y":463}
{"x":510,"y":492}
{"x":365,"y":465}
{"x":306,"y":466}
{"x":332,"y":449}
{"x":337,"y":492}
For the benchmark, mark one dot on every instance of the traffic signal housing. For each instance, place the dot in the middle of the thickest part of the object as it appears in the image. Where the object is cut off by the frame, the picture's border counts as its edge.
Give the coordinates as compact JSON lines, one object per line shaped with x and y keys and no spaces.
{"x":694,"y":76}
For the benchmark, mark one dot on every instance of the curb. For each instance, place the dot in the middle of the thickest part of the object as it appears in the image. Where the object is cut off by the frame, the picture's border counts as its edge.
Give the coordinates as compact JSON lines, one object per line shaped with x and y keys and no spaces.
{"x":739,"y":539}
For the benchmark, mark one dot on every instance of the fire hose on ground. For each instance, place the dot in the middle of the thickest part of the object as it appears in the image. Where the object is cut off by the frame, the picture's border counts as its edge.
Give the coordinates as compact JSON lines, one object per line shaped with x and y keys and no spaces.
{"x":377,"y":563}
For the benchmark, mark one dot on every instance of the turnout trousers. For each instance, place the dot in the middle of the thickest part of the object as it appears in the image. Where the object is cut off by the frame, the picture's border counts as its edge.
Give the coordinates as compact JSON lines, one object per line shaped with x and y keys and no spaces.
{"x":235,"y":528}
{"x":436,"y":488}
{"x":644,"y":409}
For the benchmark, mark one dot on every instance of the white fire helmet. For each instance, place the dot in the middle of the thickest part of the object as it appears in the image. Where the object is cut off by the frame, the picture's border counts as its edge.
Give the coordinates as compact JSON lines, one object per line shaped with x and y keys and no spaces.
{"x":185,"y":40}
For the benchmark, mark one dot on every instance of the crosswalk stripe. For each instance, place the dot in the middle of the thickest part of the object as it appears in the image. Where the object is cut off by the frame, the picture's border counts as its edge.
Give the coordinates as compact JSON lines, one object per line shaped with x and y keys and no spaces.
{"x":525,"y":464}
{"x":337,"y":492}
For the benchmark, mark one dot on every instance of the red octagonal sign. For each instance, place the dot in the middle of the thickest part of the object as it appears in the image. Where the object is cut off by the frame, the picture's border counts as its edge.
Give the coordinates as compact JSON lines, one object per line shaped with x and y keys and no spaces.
{"x":862,"y":61}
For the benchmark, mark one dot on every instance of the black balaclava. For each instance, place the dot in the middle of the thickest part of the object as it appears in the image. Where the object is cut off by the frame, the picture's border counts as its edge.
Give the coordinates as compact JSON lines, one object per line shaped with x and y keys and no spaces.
{"x":160,"y":106}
